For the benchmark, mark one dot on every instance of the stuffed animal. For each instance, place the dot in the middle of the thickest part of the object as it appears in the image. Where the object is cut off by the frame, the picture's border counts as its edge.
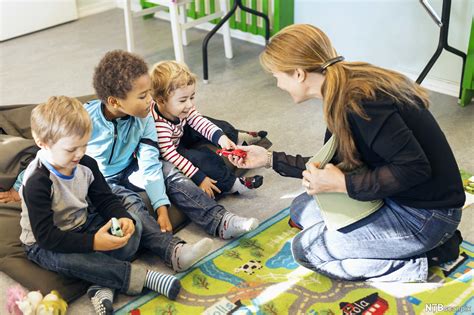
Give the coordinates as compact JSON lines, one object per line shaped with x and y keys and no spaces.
{"x":52,"y":304}
{"x":30,"y":302}
{"x":15,"y":294}
{"x":19,"y":302}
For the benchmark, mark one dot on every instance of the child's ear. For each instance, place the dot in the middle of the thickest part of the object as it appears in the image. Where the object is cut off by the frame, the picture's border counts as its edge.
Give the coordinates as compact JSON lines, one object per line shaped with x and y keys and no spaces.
{"x":39,"y":143}
{"x":113,"y":101}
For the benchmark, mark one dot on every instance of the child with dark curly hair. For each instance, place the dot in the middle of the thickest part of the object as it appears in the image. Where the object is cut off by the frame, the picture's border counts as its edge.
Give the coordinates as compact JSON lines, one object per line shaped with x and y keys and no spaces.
{"x":124,"y":140}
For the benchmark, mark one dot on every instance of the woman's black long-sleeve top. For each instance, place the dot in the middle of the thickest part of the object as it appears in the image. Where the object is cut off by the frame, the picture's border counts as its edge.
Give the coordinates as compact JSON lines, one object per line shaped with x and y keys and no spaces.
{"x":408,"y":157}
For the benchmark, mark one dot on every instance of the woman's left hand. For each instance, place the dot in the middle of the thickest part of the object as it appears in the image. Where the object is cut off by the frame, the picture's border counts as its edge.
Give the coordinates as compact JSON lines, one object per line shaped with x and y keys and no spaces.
{"x":328,"y":179}
{"x":226,"y":143}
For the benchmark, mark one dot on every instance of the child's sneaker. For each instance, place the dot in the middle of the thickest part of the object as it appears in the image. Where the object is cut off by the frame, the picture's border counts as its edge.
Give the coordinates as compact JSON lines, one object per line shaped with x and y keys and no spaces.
{"x":252,"y":182}
{"x":243,"y":184}
{"x":185,"y":255}
{"x":250,"y":137}
{"x":233,"y":226}
{"x":102,"y":299}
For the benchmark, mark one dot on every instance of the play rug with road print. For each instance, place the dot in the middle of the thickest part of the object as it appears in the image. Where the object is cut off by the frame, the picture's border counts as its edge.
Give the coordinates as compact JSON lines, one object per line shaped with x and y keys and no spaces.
{"x":256,"y":274}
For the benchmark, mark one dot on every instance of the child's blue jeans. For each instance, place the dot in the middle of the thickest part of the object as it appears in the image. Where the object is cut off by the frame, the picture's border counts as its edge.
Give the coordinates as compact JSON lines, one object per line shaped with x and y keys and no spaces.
{"x":109,"y":269}
{"x":183,"y":193}
{"x":388,"y":245}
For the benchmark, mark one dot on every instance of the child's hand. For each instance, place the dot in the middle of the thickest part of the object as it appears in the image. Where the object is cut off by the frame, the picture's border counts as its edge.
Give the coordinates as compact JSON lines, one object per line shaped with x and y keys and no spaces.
{"x":127,"y":226}
{"x":9,"y":196}
{"x":226,"y":143}
{"x":207,"y":185}
{"x":104,"y":241}
{"x":256,"y":157}
{"x":163,"y":219}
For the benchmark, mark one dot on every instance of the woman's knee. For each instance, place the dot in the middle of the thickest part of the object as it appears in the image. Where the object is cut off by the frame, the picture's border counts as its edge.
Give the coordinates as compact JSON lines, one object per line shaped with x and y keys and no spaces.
{"x":304,"y":255}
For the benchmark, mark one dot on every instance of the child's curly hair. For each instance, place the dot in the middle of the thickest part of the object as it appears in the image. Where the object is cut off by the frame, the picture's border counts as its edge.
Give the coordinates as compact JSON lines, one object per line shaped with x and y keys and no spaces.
{"x":116,"y":72}
{"x":167,"y":76}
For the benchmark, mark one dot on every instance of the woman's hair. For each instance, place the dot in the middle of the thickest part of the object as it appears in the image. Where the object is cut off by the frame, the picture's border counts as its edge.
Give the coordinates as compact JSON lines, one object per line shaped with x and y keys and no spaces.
{"x":346,"y":84}
{"x":116,"y":72}
{"x":167,"y":76}
{"x":60,"y":117}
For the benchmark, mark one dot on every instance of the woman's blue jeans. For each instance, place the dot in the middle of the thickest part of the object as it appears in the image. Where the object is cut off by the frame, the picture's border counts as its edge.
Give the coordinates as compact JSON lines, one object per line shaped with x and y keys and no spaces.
{"x":182,"y":192}
{"x":108,"y":269}
{"x":388,"y":245}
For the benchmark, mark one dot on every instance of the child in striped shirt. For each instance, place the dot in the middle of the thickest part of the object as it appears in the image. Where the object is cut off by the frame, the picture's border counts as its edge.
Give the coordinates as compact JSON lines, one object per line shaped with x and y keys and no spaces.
{"x":180,"y":127}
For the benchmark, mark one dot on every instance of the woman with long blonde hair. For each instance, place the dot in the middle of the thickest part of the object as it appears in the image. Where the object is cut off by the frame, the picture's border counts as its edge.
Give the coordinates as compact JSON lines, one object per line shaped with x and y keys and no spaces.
{"x":384,"y":130}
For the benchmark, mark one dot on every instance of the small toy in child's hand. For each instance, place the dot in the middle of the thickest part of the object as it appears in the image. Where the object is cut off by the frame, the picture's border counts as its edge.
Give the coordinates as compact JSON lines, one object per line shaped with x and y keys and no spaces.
{"x":115,"y":229}
{"x":237,"y":152}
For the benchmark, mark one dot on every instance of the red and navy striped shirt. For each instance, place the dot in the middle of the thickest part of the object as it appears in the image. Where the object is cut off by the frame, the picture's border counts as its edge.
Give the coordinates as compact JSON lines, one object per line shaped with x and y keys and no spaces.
{"x":169,"y":136}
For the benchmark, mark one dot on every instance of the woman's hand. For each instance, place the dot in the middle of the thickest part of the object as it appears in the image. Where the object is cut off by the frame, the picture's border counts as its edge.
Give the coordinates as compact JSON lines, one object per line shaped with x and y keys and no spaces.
{"x":9,"y":196}
{"x":226,"y":143}
{"x":127,"y":226}
{"x":256,"y":157}
{"x":328,"y":179}
{"x":104,"y":241}
{"x":163,"y":219}
{"x":209,"y":187}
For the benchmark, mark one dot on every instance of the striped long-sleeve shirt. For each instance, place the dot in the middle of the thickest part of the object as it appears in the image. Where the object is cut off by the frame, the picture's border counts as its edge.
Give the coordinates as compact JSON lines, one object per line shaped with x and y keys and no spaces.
{"x":169,"y":136}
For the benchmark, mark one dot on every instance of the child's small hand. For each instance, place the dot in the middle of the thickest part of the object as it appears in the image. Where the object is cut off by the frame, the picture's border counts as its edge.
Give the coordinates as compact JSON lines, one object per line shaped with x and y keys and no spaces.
{"x":209,"y":187}
{"x":226,"y":143}
{"x":104,"y":241}
{"x":163,"y":219}
{"x":127,"y":226}
{"x":9,"y":196}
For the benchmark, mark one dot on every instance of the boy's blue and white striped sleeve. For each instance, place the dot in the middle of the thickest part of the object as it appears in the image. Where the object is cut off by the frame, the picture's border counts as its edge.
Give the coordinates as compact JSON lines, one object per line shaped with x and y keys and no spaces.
{"x":149,"y":161}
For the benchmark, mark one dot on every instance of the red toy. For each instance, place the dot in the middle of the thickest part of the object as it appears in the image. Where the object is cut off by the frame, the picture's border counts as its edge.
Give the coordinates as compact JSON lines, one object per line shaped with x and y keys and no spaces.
{"x":237,"y":152}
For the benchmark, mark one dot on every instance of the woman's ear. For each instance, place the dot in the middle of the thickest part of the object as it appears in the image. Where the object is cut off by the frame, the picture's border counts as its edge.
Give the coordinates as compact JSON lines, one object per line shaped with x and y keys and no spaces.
{"x":300,"y":75}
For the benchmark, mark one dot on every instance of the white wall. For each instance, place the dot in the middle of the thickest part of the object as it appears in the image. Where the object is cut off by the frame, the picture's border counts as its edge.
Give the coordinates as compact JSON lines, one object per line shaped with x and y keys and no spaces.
{"x":396,"y":34}
{"x":22,"y":17}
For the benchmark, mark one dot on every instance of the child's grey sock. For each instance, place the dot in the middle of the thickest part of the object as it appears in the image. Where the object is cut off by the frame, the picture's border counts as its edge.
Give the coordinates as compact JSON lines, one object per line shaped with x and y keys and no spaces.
{"x":250,"y":137}
{"x":185,"y":255}
{"x":167,"y":285}
{"x":232,"y":225}
{"x":102,"y":299}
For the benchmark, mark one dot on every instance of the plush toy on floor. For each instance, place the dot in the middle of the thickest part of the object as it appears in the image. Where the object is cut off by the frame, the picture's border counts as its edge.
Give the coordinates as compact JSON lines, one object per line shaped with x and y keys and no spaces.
{"x":21,"y":302}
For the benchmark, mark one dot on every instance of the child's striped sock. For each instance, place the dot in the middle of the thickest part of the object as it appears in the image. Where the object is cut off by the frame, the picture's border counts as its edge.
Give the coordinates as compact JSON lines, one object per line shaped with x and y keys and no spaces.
{"x":167,"y":285}
{"x":102,"y":299}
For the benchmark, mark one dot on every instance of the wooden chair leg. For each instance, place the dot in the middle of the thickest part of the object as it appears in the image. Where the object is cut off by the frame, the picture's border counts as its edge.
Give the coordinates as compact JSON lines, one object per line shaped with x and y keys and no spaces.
{"x":183,"y":19}
{"x":226,"y":32}
{"x":176,"y":32}
{"x":128,"y":15}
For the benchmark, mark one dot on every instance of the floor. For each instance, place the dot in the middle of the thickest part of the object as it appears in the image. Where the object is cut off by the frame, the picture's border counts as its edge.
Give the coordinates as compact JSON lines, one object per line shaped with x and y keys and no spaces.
{"x":61,"y":60}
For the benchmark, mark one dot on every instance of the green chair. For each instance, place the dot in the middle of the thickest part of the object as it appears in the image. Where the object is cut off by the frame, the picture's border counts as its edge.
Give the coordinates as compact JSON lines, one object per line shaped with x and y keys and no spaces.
{"x":468,"y":80}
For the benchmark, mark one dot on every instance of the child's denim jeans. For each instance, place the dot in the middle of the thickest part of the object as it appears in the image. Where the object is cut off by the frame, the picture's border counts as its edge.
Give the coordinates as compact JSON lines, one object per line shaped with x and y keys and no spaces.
{"x":388,"y":245}
{"x":182,"y":192}
{"x":109,"y":269}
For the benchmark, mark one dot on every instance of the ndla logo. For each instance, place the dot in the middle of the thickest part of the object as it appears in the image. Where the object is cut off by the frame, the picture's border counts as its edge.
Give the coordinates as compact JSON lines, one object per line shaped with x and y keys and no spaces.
{"x":369,"y":305}
{"x":222,"y":307}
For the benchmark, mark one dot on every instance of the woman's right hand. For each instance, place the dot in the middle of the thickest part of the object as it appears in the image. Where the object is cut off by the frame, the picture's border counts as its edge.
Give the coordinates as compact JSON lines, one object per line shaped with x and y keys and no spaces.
{"x":104,"y":241}
{"x":256,"y":157}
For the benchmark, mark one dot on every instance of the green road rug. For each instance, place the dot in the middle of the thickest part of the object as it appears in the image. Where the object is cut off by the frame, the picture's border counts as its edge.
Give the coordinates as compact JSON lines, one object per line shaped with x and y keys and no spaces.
{"x":256,"y":274}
